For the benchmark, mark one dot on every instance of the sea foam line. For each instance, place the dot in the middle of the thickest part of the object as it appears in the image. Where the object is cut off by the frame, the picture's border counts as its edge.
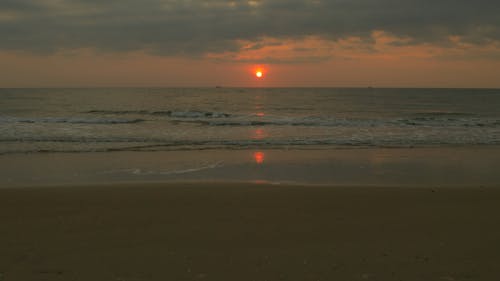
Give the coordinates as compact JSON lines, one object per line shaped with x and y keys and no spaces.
{"x":141,"y":172}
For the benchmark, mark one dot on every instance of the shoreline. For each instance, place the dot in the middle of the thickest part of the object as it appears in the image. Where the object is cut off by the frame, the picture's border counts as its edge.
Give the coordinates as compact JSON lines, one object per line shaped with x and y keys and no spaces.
{"x":256,"y":184}
{"x":445,"y":166}
{"x":213,"y":231}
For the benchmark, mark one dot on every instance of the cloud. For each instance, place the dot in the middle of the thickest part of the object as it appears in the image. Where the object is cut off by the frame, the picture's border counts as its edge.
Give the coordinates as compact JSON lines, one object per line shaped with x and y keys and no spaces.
{"x":197,"y":28}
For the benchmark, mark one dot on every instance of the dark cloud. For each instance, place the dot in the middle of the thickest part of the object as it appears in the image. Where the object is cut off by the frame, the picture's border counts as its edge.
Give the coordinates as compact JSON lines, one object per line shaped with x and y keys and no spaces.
{"x":192,"y":27}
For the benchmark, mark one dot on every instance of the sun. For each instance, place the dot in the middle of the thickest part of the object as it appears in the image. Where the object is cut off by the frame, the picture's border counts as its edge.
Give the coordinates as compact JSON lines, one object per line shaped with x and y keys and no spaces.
{"x":259,"y":71}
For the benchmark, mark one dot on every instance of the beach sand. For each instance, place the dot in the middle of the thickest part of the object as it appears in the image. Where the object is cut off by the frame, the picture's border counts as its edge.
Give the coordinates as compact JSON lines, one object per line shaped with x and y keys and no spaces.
{"x":230,"y":231}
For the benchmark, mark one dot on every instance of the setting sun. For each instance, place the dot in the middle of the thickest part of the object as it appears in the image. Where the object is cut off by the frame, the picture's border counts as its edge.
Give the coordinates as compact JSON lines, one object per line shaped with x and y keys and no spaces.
{"x":259,"y":71}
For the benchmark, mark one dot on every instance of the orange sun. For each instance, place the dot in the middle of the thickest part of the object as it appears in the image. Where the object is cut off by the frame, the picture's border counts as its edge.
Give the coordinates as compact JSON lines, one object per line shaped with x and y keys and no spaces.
{"x":259,"y":71}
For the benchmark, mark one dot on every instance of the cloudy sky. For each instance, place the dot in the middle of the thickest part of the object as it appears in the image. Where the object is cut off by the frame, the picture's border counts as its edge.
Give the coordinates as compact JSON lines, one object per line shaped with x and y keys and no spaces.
{"x":408,"y":43}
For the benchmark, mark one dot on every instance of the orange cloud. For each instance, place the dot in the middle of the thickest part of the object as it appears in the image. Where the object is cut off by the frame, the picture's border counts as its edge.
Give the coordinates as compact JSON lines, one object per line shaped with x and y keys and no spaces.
{"x":382,"y":45}
{"x":384,"y":60}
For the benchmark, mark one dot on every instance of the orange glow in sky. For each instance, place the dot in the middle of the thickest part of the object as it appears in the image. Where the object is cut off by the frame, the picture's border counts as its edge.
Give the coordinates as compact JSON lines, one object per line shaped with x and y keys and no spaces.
{"x":259,"y":71}
{"x":391,"y":65}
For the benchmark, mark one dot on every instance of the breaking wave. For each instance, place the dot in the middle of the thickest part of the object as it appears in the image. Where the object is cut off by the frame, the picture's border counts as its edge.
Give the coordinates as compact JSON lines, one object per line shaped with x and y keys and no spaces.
{"x":143,"y":172}
{"x":168,"y":113}
{"x":69,"y":120}
{"x":355,"y":123}
{"x":80,"y":145}
{"x":212,"y":118}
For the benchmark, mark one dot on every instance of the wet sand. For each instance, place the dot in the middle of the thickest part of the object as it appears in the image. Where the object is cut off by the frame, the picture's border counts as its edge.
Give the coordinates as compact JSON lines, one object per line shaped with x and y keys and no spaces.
{"x":211,"y":231}
{"x":431,"y":166}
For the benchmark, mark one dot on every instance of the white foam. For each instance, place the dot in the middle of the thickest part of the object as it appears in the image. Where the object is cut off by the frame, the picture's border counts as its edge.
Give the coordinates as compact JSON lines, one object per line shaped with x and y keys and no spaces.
{"x":76,"y":120}
{"x":146,"y":172}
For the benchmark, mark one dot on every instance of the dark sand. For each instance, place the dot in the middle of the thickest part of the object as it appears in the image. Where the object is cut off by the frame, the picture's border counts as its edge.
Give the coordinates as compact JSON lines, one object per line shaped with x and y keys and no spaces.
{"x":249,"y":232}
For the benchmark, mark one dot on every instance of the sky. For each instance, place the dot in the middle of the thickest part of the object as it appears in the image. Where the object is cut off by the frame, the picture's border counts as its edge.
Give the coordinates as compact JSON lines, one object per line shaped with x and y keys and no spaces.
{"x":296,"y":43}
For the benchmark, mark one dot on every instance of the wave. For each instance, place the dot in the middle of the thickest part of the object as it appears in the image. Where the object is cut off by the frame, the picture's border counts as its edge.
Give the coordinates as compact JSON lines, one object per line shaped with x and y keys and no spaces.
{"x":431,"y":121}
{"x":354,"y":123}
{"x":445,"y":114}
{"x":142,"y":172}
{"x":146,"y":112}
{"x":69,"y":120}
{"x":168,"y":113}
{"x":319,"y":123}
{"x":82,"y":145}
{"x":222,"y":119}
{"x":212,"y":118}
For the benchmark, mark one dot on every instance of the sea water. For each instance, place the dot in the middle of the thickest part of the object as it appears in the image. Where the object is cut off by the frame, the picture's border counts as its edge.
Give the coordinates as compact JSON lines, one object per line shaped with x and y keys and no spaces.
{"x":100,"y":122}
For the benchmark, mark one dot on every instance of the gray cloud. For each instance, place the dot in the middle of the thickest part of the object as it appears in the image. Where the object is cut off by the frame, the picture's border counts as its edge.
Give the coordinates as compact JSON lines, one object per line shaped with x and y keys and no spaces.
{"x":193,"y":28}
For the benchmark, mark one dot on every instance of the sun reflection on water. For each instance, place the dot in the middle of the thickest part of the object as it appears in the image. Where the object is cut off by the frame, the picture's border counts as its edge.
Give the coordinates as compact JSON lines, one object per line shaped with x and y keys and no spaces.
{"x":259,"y":156}
{"x":259,"y":134}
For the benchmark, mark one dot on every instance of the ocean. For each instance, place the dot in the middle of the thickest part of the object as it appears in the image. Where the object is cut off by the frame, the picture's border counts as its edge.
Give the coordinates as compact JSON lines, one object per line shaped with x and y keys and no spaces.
{"x":99,"y":123}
